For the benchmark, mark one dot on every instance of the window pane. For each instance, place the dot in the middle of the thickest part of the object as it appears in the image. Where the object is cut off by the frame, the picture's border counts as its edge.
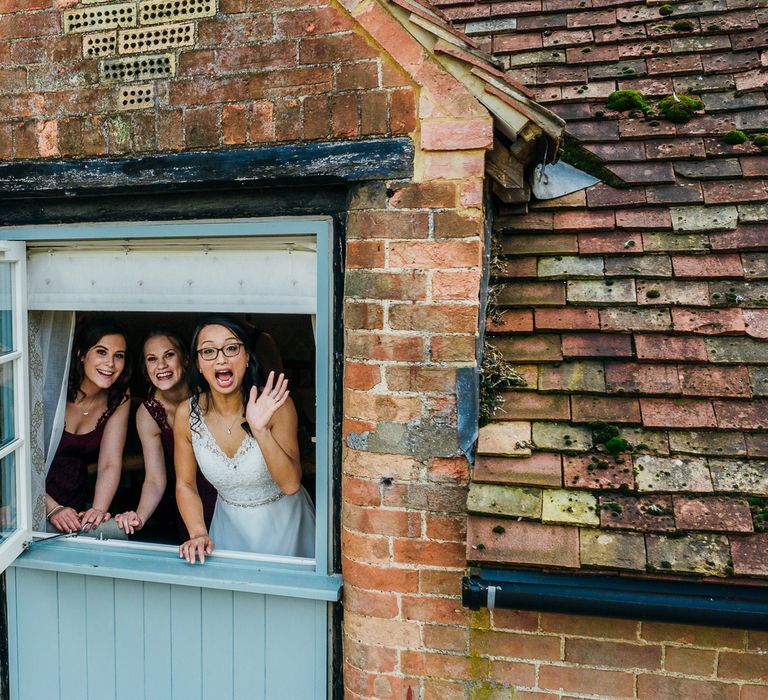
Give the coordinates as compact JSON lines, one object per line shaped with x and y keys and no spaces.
{"x":7,"y":495}
{"x":6,"y":404}
{"x":6,"y":301}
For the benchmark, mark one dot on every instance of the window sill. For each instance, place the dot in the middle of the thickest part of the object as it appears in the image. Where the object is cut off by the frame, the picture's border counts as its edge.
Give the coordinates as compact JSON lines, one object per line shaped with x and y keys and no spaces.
{"x":283,"y":576}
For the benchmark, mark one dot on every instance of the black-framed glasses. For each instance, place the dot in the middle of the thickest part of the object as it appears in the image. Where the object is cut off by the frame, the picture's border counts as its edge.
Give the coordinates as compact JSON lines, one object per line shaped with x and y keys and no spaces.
{"x":211,"y":353}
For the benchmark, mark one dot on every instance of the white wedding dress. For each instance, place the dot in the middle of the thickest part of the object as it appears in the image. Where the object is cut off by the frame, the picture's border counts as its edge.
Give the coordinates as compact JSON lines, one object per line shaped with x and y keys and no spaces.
{"x":252,"y":514}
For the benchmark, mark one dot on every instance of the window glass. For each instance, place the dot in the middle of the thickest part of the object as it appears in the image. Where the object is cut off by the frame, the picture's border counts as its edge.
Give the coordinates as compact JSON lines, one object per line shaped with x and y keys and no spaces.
{"x":6,"y":305}
{"x":7,"y":432}
{"x":7,"y":495}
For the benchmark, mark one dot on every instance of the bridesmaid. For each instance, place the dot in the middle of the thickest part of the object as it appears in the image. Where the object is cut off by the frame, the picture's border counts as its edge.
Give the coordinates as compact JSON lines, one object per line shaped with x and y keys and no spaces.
{"x":95,"y":426}
{"x":165,"y":364}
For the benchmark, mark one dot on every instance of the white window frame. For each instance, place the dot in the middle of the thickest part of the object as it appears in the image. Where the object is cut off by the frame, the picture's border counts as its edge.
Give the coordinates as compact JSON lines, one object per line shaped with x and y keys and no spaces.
{"x":290,"y":576}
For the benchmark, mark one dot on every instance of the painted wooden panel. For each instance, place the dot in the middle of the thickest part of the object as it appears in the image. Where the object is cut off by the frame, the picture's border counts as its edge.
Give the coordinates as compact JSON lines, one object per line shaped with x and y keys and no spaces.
{"x":76,"y":636}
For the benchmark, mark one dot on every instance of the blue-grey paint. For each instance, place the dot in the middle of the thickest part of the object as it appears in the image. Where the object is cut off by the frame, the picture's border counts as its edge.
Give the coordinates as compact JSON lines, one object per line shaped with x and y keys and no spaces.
{"x":94,"y":638}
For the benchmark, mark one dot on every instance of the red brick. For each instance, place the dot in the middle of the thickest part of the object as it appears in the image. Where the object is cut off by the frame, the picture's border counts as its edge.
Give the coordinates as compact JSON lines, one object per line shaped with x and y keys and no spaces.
{"x":597,"y":345}
{"x":428,"y":553}
{"x":672,"y":688}
{"x":754,"y":692}
{"x":339,"y":48}
{"x":588,"y":472}
{"x":313,"y":22}
{"x":20,"y":26}
{"x":447,"y":528}
{"x":696,"y":662}
{"x":750,"y":554}
{"x":607,"y":684}
{"x":382,"y":605}
{"x":371,"y":658}
{"x":583,"y":220}
{"x":540,"y":469}
{"x":25,"y":139}
{"x":516,"y":645}
{"x":567,"y":319}
{"x":697,"y":266}
{"x":434,"y":318}
{"x":635,"y":378}
{"x":385,"y":407}
{"x":421,"y":379}
{"x":656,"y":347}
{"x":677,"y":413}
{"x":742,"y":415}
{"x":715,"y":381}
{"x":373,"y":113}
{"x":290,"y":82}
{"x":440,"y":582}
{"x":236,"y":31}
{"x":448,"y":469}
{"x":590,"y":652}
{"x":533,"y":294}
{"x":643,"y":219}
{"x":450,"y":224}
{"x":459,"y":286}
{"x":402,"y":112}
{"x":384,"y":346}
{"x":364,"y":548}
{"x":522,"y":543}
{"x":444,"y":638}
{"x":694,"y":635}
{"x":262,"y":122}
{"x":756,"y":322}
{"x":538,"y":245}
{"x":361,"y":377}
{"x":361,"y":492}
{"x":426,"y":255}
{"x":445,"y":611}
{"x":387,"y":224}
{"x":288,"y":119}
{"x":583,"y":626}
{"x":344,"y":116}
{"x":452,"y":348}
{"x":367,"y":284}
{"x":362,"y":315}
{"x":416,"y":663}
{"x":365,"y":254}
{"x":316,"y":117}
{"x":526,"y":405}
{"x":708,"y":322}
{"x":233,"y":124}
{"x":379,"y":578}
{"x":458,"y":135}
{"x":593,"y":244}
{"x":428,"y":194}
{"x":357,"y":76}
{"x":720,"y":514}
{"x":587,"y":409}
{"x":511,"y":321}
{"x":731,"y":191}
{"x":530,"y":348}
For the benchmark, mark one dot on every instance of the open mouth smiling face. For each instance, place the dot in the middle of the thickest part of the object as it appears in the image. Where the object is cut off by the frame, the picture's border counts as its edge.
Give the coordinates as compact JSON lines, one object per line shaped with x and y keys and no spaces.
{"x":163,"y":362}
{"x":104,"y":362}
{"x":223,"y":373}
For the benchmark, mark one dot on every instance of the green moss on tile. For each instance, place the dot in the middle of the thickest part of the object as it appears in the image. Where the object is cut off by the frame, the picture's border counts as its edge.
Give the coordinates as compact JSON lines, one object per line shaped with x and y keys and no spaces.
{"x":679,"y":109}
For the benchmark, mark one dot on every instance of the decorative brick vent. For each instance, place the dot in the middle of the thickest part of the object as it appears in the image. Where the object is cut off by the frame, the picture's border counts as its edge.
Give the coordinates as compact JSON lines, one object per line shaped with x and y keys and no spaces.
{"x":137,"y":68}
{"x":173,"y":28}
{"x":137,"y":96}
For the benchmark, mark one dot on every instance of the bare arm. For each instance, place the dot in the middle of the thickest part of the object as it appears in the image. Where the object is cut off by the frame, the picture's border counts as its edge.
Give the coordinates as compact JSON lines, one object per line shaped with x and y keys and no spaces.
{"x":187,"y":496}
{"x":273,"y":421}
{"x":155,"y":479}
{"x":109,"y":466}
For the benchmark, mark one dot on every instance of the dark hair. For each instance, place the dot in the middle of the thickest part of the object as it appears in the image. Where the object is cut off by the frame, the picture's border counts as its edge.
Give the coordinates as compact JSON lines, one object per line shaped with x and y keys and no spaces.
{"x":87,"y":334}
{"x":176,"y":341}
{"x":197,"y":383}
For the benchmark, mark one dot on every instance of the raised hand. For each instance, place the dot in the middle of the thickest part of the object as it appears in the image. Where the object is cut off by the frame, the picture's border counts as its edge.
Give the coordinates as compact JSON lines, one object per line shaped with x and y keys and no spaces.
{"x":262,"y":406}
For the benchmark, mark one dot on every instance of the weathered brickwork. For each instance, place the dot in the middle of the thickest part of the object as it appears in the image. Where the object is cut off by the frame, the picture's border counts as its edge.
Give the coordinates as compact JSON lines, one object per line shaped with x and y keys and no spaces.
{"x":641,"y":307}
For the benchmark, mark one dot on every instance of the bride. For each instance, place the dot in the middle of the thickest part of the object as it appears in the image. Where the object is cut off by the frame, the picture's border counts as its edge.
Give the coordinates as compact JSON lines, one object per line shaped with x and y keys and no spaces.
{"x":244,"y":439}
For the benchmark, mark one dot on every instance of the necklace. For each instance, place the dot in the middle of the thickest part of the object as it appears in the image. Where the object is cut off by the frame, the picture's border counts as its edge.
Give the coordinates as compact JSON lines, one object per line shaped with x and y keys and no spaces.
{"x":231,"y":425}
{"x":90,"y":406}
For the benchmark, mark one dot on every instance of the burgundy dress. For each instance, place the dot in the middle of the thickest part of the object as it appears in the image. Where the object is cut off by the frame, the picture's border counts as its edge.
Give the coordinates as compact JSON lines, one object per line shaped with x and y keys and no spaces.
{"x":168,"y":504}
{"x":67,"y":479}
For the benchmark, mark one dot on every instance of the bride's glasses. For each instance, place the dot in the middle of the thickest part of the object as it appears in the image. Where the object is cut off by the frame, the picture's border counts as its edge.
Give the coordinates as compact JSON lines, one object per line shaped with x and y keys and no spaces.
{"x":211,"y":353}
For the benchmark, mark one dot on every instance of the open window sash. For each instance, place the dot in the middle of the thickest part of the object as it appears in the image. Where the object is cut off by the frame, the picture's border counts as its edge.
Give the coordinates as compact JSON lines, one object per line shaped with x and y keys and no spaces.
{"x":15,"y":516}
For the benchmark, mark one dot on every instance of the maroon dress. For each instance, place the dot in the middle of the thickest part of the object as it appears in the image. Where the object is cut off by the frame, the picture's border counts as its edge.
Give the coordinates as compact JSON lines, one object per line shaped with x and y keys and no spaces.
{"x":168,"y":504}
{"x":67,"y":479}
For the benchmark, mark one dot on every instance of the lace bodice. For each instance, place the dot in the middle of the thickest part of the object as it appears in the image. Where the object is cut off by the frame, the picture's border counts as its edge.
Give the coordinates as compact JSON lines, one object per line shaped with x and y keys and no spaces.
{"x":242,"y":480}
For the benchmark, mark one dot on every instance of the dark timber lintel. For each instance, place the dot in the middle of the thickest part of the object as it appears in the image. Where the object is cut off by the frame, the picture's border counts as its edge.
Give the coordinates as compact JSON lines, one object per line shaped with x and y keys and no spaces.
{"x":324,"y":163}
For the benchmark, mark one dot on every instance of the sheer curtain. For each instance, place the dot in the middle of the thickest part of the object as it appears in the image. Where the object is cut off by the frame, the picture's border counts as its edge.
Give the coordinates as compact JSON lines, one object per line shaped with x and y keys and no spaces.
{"x":50,"y":345}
